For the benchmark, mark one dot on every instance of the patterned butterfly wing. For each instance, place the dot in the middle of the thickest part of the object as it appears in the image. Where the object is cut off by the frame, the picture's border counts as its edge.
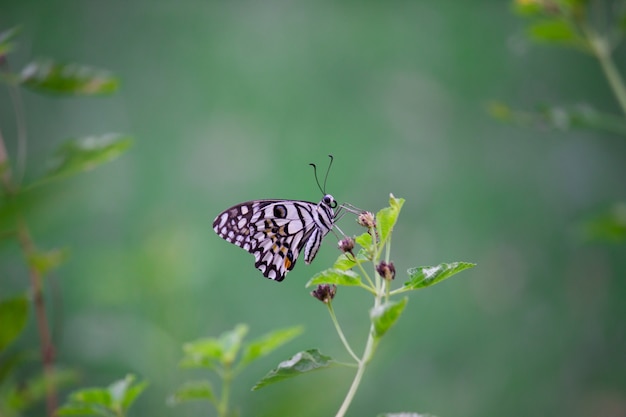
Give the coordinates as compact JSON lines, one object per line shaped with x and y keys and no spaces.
{"x":276,"y":231}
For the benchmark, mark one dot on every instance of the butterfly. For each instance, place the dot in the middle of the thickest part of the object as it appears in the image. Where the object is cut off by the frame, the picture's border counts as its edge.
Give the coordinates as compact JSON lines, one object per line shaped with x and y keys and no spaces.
{"x":276,"y":232}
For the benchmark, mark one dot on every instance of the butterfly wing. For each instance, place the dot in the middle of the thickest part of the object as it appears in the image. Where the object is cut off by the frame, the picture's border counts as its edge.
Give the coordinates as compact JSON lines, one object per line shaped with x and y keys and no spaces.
{"x":274,"y":231}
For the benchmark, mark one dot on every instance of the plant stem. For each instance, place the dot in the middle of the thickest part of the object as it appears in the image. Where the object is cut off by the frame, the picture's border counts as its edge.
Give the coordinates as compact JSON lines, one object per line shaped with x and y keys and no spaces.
{"x":29,"y":250}
{"x":602,"y":52}
{"x":222,"y":407}
{"x":340,"y":332}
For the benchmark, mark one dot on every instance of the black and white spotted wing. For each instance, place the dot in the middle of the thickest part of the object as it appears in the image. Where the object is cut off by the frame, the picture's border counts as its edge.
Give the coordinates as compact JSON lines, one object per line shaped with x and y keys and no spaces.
{"x":277,"y":231}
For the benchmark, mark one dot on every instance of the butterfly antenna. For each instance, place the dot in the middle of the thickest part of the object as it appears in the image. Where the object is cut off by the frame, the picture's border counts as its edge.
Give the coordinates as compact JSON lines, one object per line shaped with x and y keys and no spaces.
{"x":316,"y":180}
{"x":327,"y":171}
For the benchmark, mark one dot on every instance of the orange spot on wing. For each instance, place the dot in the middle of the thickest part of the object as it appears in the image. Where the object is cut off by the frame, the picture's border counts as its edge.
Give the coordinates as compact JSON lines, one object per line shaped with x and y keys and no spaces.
{"x":287,"y":263}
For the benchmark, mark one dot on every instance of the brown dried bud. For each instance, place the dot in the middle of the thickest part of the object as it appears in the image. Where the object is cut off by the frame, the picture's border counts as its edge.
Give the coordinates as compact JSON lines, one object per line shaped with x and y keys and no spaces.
{"x":346,"y":245}
{"x":367,"y":219}
{"x":386,"y":270}
{"x":325,"y":292}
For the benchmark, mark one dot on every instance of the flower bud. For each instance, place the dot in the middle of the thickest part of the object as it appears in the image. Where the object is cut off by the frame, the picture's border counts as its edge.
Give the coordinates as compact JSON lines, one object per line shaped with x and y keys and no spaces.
{"x":325,"y":292}
{"x":386,"y":270}
{"x":346,"y":245}
{"x":366,"y":219}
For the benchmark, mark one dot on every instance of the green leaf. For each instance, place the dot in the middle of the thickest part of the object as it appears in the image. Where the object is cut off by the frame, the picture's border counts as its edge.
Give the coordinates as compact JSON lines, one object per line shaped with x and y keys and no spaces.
{"x":125,"y":391}
{"x":35,"y":389}
{"x":92,"y":397}
{"x":364,"y":240}
{"x":425,"y":276}
{"x":268,"y":343}
{"x":608,"y":226}
{"x":302,"y":362}
{"x":13,"y":316}
{"x":385,"y":315}
{"x":557,"y":31}
{"x":230,"y":342}
{"x":345,"y":261}
{"x":79,"y":155}
{"x":73,"y":79}
{"x":44,"y":262}
{"x":6,"y":37}
{"x":386,"y":218}
{"x":335,"y":276}
{"x":205,"y":353}
{"x":193,"y":391}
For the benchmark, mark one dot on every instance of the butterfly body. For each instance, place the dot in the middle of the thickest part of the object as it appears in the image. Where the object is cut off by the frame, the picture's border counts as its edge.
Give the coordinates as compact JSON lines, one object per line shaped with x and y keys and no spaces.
{"x":277,"y":231}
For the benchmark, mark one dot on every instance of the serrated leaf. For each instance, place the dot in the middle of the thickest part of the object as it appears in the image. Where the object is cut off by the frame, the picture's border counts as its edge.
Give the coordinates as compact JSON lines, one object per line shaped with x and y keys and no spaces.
{"x":131,"y":393}
{"x":335,"y":276}
{"x":302,"y":362}
{"x":47,"y":76}
{"x":385,"y":315}
{"x":425,"y":276}
{"x":268,"y":343}
{"x":386,"y":218}
{"x":79,"y":155}
{"x":193,"y":391}
{"x":345,"y":261}
{"x":44,"y":262}
{"x":13,"y":316}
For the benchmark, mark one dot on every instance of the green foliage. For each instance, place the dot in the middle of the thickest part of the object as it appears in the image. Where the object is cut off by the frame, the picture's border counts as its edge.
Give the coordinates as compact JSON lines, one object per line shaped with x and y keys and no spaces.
{"x":13,"y":316}
{"x":21,"y":396}
{"x":300,"y":363}
{"x":112,"y":401}
{"x":226,"y":355}
{"x":609,"y":225}
{"x":385,"y":315}
{"x":375,"y":244}
{"x":425,"y":276}
{"x":80,"y":155}
{"x":52,"y":77}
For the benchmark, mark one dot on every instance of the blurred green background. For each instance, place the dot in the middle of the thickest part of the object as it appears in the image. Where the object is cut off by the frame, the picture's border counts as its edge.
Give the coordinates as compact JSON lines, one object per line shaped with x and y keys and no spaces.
{"x":229,"y":101}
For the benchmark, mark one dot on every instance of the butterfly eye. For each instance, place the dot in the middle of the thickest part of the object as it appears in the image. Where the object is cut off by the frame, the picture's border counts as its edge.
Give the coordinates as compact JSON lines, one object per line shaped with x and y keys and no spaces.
{"x":329,"y":201}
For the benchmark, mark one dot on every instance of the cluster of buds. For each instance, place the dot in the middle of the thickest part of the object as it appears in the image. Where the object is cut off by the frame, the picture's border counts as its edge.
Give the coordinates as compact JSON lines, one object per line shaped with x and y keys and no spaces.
{"x":346,"y":245}
{"x":325,"y":292}
{"x":386,"y":270}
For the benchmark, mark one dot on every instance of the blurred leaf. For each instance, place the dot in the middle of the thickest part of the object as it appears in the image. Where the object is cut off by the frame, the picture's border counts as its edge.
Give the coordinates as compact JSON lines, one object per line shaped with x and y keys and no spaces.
{"x":609,"y":226}
{"x":34,"y":390}
{"x":111,"y":401}
{"x":555,"y":117}
{"x":558,"y":31}
{"x":73,"y":79}
{"x":268,"y":343}
{"x":335,"y":276}
{"x":13,"y":316}
{"x":125,"y":391}
{"x":204,"y":353}
{"x":385,"y":315}
{"x":425,"y":276}
{"x":84,"y":154}
{"x":231,"y":342}
{"x":6,"y":37}
{"x":193,"y":391}
{"x":386,"y":217}
{"x":300,"y":363}
{"x":9,"y":363}
{"x":44,"y":262}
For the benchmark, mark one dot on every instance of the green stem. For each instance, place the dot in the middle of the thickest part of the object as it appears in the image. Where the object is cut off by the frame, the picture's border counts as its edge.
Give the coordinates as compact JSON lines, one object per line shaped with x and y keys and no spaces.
{"x":222,"y":406}
{"x":602,"y":52}
{"x":340,"y":332}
